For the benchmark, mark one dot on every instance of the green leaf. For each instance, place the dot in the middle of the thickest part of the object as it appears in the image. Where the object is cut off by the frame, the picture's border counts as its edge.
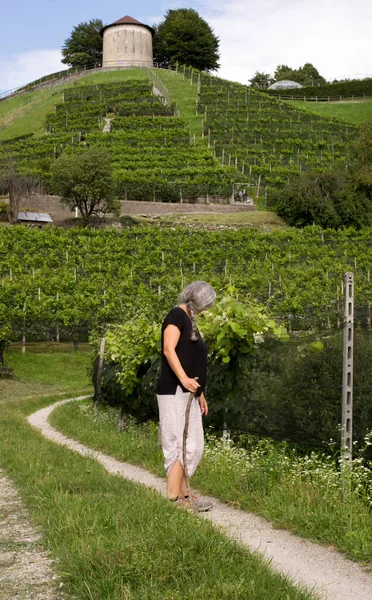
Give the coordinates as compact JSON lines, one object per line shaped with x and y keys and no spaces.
{"x":317,"y":347}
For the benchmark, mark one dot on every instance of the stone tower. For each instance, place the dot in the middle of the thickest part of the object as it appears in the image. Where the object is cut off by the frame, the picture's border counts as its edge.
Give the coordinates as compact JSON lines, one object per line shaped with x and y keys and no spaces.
{"x":127,"y":43}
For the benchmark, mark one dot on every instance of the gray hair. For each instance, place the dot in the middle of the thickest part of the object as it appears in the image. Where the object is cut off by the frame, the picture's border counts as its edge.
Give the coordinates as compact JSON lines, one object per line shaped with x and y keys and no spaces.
{"x":197,"y":296}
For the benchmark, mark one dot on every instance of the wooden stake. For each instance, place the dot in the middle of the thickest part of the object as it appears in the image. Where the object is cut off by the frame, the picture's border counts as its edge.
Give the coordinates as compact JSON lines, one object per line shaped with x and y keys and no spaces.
{"x":258,"y":186}
{"x":185,"y":433}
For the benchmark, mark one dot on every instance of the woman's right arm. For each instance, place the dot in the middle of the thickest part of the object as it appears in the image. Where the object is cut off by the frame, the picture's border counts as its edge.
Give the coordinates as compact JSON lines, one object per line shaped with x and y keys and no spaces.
{"x":170,"y":341}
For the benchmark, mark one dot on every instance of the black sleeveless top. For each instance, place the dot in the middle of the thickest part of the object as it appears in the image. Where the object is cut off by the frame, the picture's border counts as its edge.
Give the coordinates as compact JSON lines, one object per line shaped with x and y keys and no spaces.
{"x":192,"y":355}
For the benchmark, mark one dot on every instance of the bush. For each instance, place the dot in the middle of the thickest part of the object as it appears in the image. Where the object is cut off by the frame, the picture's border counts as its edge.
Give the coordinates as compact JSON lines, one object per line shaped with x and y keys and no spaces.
{"x":346,"y":89}
{"x":3,"y":211}
{"x":330,"y":200}
{"x":130,"y":368}
{"x":295,"y":389}
{"x":140,"y":403}
{"x":287,"y":390}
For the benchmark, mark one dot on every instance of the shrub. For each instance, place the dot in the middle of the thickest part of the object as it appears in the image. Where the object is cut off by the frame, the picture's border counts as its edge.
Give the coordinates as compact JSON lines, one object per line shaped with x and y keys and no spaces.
{"x":330,"y":200}
{"x":130,"y":368}
{"x":259,"y":380}
{"x":294,"y":390}
{"x":354,"y":87}
{"x":3,"y":211}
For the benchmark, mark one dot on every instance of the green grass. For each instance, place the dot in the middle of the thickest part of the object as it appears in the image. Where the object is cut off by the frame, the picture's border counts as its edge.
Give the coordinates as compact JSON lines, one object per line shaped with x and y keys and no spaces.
{"x":31,"y":118}
{"x":303,"y":496}
{"x":184,"y":94}
{"x":266,"y":220}
{"x":114,"y":540}
{"x":109,"y":77}
{"x":17,"y":102}
{"x":41,"y":371}
{"x":353,"y":112}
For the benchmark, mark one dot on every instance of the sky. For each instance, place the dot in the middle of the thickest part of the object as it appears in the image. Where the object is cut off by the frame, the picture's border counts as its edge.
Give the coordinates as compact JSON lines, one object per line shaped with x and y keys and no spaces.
{"x":255,"y":35}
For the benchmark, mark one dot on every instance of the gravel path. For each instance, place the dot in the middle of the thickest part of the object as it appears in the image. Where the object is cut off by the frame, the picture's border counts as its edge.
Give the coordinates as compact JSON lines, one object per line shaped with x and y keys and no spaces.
{"x":331,"y":575}
{"x":26,"y":572}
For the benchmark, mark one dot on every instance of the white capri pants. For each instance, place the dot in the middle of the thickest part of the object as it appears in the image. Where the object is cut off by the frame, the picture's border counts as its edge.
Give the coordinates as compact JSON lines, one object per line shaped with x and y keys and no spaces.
{"x":172,"y":410}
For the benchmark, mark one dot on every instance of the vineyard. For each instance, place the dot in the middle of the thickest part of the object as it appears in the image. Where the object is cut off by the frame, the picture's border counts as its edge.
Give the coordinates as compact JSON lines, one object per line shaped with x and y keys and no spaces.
{"x":274,"y":338}
{"x":266,"y":139}
{"x":246,"y":137}
{"x":152,"y":151}
{"x":56,"y":279}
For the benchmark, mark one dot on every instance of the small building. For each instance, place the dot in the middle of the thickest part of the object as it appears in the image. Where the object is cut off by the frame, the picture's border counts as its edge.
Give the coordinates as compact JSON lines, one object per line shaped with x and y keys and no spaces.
{"x":127,"y":43}
{"x":26,"y":217}
{"x":285,"y":84}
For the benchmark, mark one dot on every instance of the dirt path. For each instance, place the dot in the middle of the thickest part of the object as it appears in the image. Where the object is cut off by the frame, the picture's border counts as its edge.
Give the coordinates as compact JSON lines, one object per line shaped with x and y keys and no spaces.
{"x":331,"y":575}
{"x":26,"y":572}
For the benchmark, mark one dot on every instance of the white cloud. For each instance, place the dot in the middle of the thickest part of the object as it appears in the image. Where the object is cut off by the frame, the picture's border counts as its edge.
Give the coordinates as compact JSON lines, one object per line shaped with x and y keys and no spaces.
{"x":20,"y":69}
{"x":257,"y":35}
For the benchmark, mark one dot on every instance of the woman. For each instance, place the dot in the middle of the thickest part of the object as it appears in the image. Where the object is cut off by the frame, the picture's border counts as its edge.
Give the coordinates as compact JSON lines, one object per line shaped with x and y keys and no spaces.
{"x":183,"y":370}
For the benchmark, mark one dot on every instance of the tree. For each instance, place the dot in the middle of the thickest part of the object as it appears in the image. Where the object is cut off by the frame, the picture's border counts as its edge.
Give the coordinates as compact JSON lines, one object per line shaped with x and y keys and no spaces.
{"x":261,"y":80}
{"x":284,"y":72}
{"x":329,"y":199}
{"x":5,"y":339}
{"x":306,"y":75}
{"x":233,"y":329}
{"x":16,"y":185}
{"x":185,"y":38}
{"x":309,"y":75}
{"x":363,"y":147}
{"x":84,"y":180}
{"x":84,"y":46}
{"x":159,"y":49}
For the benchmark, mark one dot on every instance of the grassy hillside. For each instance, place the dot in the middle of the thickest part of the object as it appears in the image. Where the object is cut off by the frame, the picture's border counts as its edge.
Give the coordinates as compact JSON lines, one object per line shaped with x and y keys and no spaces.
{"x":154,"y":154}
{"x":225,"y":134}
{"x":31,"y":108}
{"x":353,"y":112}
{"x":184,"y":94}
{"x":25,"y":114}
{"x":266,"y":139}
{"x":260,"y":219}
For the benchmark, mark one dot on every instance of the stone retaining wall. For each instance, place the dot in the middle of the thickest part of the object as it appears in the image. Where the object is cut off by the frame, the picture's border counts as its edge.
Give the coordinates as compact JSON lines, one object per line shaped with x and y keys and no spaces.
{"x":52,"y":205}
{"x":164,"y":208}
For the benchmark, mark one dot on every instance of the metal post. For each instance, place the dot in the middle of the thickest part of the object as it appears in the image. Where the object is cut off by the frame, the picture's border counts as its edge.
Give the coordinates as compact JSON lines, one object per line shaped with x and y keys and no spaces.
{"x":347,"y":375}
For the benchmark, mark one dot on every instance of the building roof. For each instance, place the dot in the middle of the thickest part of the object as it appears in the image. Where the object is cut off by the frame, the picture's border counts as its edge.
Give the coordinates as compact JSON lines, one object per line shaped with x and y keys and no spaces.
{"x":285,"y":84}
{"x":34,"y":216}
{"x":127,"y":20}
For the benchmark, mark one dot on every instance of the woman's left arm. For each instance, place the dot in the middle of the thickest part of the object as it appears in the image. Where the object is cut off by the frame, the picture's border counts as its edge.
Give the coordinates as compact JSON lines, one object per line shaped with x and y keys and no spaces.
{"x":203,"y":405}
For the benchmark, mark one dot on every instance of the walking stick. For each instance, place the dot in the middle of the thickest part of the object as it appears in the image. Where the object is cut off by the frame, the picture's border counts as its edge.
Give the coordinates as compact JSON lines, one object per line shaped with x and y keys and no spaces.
{"x":185,"y":432}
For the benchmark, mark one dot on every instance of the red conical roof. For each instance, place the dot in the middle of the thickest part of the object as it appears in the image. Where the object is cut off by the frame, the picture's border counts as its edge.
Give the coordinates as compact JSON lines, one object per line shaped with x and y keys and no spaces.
{"x":127,"y":20}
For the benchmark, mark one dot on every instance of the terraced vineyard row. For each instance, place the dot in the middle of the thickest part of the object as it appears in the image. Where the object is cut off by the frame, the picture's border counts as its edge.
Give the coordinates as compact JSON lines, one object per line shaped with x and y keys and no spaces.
{"x":56,"y":278}
{"x":153,"y":154}
{"x":252,"y":138}
{"x":265,"y":138}
{"x":85,"y":110}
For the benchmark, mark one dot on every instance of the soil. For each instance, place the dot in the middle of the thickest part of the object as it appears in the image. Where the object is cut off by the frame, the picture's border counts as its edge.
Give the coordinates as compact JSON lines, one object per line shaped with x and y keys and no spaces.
{"x":26,"y":571}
